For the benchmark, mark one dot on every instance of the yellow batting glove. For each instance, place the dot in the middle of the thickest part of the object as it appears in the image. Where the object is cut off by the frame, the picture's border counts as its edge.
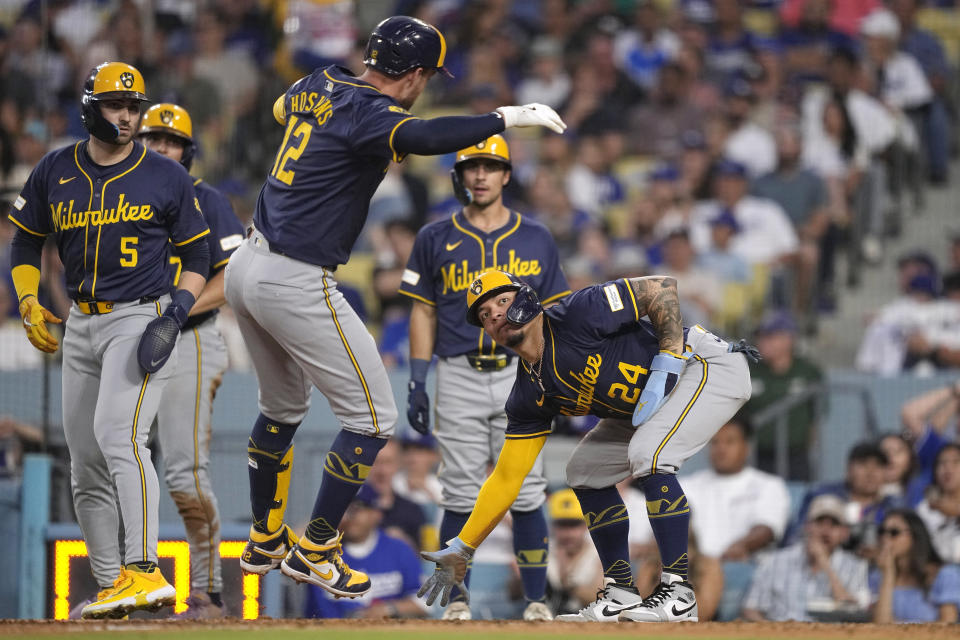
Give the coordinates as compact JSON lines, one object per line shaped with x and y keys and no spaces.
{"x":35,"y":319}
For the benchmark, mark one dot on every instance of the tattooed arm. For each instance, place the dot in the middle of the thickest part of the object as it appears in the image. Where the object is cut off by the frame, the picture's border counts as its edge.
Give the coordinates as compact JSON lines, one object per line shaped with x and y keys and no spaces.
{"x":657,"y":298}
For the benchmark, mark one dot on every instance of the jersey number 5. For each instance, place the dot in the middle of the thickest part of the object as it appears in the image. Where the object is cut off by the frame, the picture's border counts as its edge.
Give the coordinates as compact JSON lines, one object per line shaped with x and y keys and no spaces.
{"x":128,"y":247}
{"x":290,"y":150}
{"x":632,"y":373}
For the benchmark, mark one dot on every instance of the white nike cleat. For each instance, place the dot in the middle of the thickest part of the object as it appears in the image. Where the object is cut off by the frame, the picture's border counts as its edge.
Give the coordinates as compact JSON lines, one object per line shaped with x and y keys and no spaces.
{"x":611,"y":601}
{"x":458,"y":610}
{"x":672,"y":601}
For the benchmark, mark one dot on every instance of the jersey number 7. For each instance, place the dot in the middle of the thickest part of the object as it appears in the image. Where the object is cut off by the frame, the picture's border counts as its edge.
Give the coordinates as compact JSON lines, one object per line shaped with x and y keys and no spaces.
{"x":290,"y":150}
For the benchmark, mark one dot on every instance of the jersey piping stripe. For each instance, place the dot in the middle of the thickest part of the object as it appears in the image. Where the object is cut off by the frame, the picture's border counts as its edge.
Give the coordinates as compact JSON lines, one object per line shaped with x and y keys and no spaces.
{"x":136,"y":455}
{"x":573,"y":388}
{"x":343,"y":338}
{"x":86,"y":227}
{"x":557,"y":296}
{"x":197,"y":181}
{"x":196,"y":456}
{"x":633,"y":299}
{"x":221,"y":263}
{"x":352,"y":84}
{"x":443,"y":46}
{"x":103,"y":199}
{"x":22,"y":226}
{"x":199,"y":235}
{"x":483,"y":264}
{"x":686,"y":410}
{"x":396,"y":156}
{"x":416,"y":297}
{"x":527,"y":436}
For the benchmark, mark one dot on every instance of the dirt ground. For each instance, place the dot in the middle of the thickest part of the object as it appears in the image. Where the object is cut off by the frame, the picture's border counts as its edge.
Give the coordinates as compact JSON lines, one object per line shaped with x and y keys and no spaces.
{"x":502,"y":630}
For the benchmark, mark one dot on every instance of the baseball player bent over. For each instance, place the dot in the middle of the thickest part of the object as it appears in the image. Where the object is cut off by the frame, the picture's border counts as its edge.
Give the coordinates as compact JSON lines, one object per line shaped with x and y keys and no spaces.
{"x":123,"y":324}
{"x":342,"y":131}
{"x":474,"y":374}
{"x":184,"y":420}
{"x":661,"y":391}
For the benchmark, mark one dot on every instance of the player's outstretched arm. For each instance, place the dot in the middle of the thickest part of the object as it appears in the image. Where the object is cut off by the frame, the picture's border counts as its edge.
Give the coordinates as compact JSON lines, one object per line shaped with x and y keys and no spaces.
{"x":452,"y":133}
{"x":496,"y":495}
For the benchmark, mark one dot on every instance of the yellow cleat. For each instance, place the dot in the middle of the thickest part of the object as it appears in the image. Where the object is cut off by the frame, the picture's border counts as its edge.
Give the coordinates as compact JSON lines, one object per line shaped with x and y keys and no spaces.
{"x":266,"y":551}
{"x":322,"y":565}
{"x":132,"y":591}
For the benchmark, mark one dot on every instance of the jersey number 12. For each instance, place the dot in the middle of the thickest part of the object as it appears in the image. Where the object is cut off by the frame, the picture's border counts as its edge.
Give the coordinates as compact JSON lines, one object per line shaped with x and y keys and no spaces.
{"x":290,"y":149}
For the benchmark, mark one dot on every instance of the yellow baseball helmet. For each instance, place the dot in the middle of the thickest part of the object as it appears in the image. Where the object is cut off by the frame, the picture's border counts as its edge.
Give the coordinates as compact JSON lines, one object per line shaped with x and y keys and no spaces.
{"x":564,"y":505}
{"x":495,"y":148}
{"x":525,"y":307}
{"x":166,"y":117}
{"x":108,"y":81}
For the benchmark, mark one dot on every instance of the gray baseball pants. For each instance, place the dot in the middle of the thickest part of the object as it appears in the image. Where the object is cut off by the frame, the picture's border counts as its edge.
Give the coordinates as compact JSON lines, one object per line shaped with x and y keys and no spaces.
{"x":301,"y":332}
{"x":470,"y":426}
{"x":109,"y":404}
{"x":184,"y":431}
{"x":712,"y":388}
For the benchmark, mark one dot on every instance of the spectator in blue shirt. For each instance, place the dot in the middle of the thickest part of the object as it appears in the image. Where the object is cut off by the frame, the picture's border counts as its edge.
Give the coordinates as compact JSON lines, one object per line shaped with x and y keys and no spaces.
{"x":911,"y":583}
{"x":391,"y":563}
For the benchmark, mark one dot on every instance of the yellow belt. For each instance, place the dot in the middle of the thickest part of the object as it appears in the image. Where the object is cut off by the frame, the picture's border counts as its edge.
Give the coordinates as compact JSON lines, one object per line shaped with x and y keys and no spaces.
{"x":94,"y":307}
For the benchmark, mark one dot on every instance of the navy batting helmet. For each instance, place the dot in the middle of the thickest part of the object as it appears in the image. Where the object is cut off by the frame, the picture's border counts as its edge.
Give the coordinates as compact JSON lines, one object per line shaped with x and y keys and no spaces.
{"x":525,"y":307}
{"x":401,"y":43}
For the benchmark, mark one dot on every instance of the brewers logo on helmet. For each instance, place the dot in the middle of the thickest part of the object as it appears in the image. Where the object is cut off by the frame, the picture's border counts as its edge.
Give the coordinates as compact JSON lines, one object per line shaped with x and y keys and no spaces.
{"x":401,"y":43}
{"x":109,"y":81}
{"x":172,"y":119}
{"x":525,"y":307}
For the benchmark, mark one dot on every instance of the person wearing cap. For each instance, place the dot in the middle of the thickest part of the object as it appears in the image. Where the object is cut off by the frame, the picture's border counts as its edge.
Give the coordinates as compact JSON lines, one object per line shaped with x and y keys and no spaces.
{"x":718,"y":258}
{"x":341,"y":132}
{"x":574,"y":572}
{"x":746,"y":142}
{"x":813,"y":574}
{"x":702,"y":290}
{"x":861,"y":491}
{"x":390,"y":562}
{"x":474,"y":373}
{"x":767,"y":240}
{"x":781,"y":373}
{"x":417,"y":478}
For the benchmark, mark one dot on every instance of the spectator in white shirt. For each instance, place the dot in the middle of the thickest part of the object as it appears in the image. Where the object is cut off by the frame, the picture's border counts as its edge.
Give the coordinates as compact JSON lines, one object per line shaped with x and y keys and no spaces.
{"x":736,"y":510}
{"x":814,"y":572}
{"x":548,"y":82}
{"x":748,"y":143}
{"x":702,"y":290}
{"x":766,"y":236}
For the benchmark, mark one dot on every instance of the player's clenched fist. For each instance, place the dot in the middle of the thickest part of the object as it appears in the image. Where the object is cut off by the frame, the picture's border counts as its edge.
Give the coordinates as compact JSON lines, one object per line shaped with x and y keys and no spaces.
{"x":35,"y":318}
{"x":665,"y":370}
{"x":532,"y":115}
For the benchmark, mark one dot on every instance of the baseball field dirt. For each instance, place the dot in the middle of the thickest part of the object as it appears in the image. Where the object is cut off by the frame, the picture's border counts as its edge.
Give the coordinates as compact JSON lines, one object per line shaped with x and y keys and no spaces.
{"x":234,"y":629}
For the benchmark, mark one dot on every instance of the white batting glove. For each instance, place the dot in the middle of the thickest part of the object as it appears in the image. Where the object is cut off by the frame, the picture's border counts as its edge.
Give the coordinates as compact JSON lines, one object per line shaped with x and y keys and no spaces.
{"x":532,"y":115}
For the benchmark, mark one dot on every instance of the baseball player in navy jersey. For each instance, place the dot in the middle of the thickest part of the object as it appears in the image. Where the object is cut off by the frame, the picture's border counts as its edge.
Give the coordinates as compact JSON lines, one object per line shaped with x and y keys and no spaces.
{"x":342,"y":131}
{"x":122,"y":326}
{"x":474,"y":375}
{"x":661,"y":391}
{"x":184,"y":420}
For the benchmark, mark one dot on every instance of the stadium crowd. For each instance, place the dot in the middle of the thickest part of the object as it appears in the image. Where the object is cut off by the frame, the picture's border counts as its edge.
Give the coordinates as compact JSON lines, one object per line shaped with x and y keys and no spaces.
{"x":747,"y":149}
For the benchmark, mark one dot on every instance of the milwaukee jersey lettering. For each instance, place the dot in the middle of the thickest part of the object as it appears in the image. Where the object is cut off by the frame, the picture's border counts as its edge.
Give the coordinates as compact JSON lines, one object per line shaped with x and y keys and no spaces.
{"x":334,"y":154}
{"x":111,"y":224}
{"x":597,"y":354}
{"x":449,"y":254}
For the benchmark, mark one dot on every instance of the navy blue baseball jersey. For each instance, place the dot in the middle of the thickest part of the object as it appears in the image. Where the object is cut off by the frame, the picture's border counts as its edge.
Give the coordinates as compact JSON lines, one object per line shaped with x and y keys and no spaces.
{"x":334,"y":154}
{"x":226,"y":232}
{"x":596,"y":357}
{"x":449,"y":254}
{"x":111,"y":223}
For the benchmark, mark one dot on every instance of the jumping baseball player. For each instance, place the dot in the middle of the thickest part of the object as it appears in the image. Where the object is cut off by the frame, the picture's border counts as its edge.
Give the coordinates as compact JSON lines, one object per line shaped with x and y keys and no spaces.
{"x":473,"y":374}
{"x":661,"y":391}
{"x":186,"y":410}
{"x":342,"y":131}
{"x":123,"y":325}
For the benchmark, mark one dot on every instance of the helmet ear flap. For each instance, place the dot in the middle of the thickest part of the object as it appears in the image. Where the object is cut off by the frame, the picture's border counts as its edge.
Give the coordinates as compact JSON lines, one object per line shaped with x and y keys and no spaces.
{"x":459,"y":190}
